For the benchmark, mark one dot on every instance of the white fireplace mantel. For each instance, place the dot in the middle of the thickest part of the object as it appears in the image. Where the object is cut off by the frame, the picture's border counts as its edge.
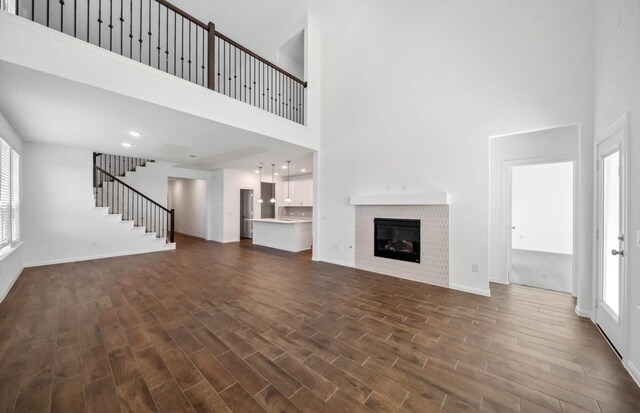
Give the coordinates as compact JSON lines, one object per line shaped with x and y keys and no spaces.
{"x":432,"y":198}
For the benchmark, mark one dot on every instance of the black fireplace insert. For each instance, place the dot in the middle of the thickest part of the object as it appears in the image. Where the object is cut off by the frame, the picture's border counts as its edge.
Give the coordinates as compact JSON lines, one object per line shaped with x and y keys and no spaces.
{"x":397,"y":239}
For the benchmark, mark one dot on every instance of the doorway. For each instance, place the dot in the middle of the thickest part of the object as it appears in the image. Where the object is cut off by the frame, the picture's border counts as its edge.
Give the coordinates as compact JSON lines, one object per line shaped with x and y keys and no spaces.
{"x":611,"y":221}
{"x":540,"y":234}
{"x":246,"y":213}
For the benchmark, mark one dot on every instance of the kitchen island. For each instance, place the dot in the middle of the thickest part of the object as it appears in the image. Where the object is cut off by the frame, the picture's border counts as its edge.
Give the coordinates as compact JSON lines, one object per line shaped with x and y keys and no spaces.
{"x":284,"y":234}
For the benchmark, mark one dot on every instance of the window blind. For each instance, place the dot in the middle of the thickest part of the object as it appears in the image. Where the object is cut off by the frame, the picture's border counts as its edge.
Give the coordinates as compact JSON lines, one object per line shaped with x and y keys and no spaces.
{"x":15,"y":196}
{"x":5,"y":193}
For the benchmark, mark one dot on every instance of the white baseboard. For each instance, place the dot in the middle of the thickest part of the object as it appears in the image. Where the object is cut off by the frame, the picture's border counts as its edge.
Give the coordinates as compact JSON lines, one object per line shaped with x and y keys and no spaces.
{"x":6,"y":291}
{"x":493,"y":280}
{"x":582,"y":312}
{"x":164,"y":247}
{"x":335,"y":262}
{"x":464,"y":288}
{"x":633,"y":371}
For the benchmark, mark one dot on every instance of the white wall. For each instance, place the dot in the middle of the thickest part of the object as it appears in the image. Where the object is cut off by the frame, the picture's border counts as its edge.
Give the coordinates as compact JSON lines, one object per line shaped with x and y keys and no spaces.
{"x":60,"y":222}
{"x":542,"y":211}
{"x":11,"y":265}
{"x":189,"y":198}
{"x":400,"y":117}
{"x":617,"y":92}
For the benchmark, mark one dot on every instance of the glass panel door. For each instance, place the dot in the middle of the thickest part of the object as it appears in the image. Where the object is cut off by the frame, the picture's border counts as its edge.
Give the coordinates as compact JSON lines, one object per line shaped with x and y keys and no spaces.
{"x":611,"y":232}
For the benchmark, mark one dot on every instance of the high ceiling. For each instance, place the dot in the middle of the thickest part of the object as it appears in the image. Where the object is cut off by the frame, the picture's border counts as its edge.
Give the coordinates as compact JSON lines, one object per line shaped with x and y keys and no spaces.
{"x":44,"y":108}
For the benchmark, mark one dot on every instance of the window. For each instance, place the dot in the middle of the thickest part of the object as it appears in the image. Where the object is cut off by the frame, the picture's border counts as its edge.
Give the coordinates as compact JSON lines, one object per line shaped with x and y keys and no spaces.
{"x":15,"y":196}
{"x":9,"y":195}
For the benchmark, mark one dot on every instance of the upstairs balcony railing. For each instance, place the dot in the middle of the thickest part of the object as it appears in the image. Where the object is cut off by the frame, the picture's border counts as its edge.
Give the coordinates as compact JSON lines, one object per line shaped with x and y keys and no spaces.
{"x":160,"y":35}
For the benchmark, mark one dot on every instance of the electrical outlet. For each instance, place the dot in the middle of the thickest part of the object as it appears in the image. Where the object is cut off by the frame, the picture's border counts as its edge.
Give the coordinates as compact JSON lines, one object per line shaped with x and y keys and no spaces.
{"x":475,"y":267}
{"x":94,"y":243}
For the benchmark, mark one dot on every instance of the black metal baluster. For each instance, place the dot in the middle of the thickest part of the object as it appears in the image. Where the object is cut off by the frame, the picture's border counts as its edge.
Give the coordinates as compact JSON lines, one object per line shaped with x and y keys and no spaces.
{"x":48,"y":7}
{"x":175,"y":42}
{"x":189,"y":61}
{"x":61,"y":15}
{"x":88,"y":21}
{"x":75,"y":18}
{"x":204,"y":59}
{"x":149,"y":33}
{"x":166,"y":42}
{"x":140,"y":35}
{"x":130,"y":29}
{"x":110,"y":25}
{"x":182,"y":51}
{"x":196,"y":55}
{"x":218,"y":63}
{"x":159,"y":36}
{"x":221,"y":63}
{"x":33,"y":10}
{"x":235,"y":72}
{"x":245,"y":77}
{"x":121,"y":24}
{"x":99,"y":22}
{"x":229,"y":59}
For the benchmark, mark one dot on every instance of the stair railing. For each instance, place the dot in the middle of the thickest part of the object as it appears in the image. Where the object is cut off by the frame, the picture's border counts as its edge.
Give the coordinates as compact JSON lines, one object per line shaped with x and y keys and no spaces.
{"x":163,"y":36}
{"x":134,"y":206}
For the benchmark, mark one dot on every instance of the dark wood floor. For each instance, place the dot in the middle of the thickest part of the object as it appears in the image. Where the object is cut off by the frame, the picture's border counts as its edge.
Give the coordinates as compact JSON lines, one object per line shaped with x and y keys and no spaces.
{"x":213,"y":327}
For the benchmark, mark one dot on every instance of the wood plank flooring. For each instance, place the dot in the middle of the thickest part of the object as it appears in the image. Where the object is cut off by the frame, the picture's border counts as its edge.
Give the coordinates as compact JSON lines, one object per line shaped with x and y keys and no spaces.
{"x":236,"y":328}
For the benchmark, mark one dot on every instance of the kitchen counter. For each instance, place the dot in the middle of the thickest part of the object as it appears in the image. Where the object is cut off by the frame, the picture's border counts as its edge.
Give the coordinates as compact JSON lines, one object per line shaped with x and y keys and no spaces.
{"x":282,"y":221}
{"x":292,"y":235}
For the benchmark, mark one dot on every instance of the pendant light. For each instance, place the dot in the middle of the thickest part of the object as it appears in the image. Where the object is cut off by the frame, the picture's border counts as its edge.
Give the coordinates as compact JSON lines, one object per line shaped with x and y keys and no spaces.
{"x":273,"y":181}
{"x":260,"y":199}
{"x":288,"y":200}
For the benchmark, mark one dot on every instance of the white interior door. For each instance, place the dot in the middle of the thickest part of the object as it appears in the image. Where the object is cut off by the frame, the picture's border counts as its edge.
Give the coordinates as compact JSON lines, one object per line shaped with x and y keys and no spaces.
{"x":610,"y":280}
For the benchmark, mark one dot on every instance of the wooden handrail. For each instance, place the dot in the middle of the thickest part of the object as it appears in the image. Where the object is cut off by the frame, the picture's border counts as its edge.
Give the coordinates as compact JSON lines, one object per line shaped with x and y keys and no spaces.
{"x":132,"y":189}
{"x":263,"y":60}
{"x":182,"y":13}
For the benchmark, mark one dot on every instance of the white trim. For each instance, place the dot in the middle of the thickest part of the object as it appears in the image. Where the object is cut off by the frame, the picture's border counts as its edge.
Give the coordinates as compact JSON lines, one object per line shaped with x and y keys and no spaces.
{"x":5,"y":292}
{"x":164,"y":247}
{"x":335,"y":262}
{"x":633,"y":371}
{"x":472,"y":290}
{"x":620,"y":125}
{"x":581,"y":312}
{"x":493,"y":280}
{"x":568,"y":125}
{"x":434,"y":198}
{"x":8,"y":249}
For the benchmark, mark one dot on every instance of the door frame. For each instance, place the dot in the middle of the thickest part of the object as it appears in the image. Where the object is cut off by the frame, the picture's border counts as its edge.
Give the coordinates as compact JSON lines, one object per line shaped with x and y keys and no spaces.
{"x":620,"y":125}
{"x":253,"y":207}
{"x":505,"y":209}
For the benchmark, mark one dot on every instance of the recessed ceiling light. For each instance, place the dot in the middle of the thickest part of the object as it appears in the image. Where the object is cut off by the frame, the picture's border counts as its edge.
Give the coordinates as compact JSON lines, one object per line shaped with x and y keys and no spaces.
{"x":256,"y":171}
{"x":284,"y":166}
{"x":135,"y":134}
{"x":276,"y":174}
{"x":303,"y":170}
{"x":192,"y":156}
{"x":126,"y":144}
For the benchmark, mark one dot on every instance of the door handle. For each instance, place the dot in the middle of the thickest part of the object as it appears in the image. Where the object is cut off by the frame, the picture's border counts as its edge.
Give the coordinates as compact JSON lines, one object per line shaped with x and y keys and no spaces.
{"x":616,"y":252}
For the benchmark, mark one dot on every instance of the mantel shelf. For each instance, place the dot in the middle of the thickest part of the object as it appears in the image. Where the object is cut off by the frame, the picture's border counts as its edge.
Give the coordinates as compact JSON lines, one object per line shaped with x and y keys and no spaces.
{"x":432,"y":198}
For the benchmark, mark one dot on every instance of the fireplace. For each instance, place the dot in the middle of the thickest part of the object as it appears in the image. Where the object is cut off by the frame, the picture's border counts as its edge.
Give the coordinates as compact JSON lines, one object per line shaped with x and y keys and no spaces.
{"x":397,"y":239}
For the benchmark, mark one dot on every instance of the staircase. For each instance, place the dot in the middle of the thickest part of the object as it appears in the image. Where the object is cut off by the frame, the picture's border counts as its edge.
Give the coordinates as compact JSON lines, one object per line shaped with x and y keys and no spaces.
{"x":126,"y":203}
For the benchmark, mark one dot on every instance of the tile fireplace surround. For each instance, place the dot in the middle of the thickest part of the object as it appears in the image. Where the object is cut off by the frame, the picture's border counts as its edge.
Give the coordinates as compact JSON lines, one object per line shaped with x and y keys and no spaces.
{"x":434,"y":255}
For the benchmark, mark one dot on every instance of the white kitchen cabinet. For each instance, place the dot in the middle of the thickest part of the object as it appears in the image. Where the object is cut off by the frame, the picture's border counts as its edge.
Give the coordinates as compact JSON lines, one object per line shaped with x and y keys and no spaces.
{"x":300,"y":192}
